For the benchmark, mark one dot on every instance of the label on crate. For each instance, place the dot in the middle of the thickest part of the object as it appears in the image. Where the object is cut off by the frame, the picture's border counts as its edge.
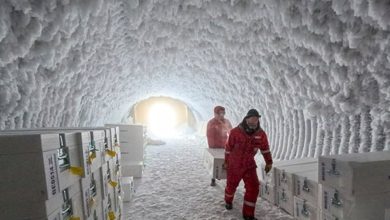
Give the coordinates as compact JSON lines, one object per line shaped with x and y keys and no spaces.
{"x":52,"y":183}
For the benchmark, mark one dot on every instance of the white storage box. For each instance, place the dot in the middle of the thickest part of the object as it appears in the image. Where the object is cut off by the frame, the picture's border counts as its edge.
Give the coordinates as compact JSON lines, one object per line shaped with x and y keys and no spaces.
{"x":285,"y":200}
{"x":327,"y":216}
{"x":267,"y":192}
{"x":115,"y":133}
{"x":284,"y":174}
{"x":214,"y":159}
{"x":109,"y":149}
{"x":269,"y":176}
{"x":134,"y":169}
{"x":356,"y":174}
{"x":42,"y":159}
{"x":108,"y":207}
{"x":132,"y":142}
{"x":109,"y":185}
{"x":118,"y":195}
{"x":92,"y":189}
{"x":67,"y":202}
{"x":120,"y":208}
{"x":307,"y":187}
{"x":90,"y":138}
{"x":363,"y":207}
{"x":128,"y":188}
{"x":304,"y":210}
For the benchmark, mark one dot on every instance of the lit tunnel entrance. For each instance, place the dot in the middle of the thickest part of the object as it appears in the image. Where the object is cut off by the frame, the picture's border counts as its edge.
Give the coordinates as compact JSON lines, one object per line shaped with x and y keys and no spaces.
{"x":164,"y":117}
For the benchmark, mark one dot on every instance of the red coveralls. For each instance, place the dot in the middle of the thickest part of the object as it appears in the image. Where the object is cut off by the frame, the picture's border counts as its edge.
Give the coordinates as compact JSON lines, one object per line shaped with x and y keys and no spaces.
{"x":240,"y":151}
{"x":217,"y":132}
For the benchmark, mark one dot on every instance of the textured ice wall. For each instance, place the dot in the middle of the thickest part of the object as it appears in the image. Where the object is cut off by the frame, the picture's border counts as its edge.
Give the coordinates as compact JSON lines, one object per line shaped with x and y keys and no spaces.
{"x":318,"y":71}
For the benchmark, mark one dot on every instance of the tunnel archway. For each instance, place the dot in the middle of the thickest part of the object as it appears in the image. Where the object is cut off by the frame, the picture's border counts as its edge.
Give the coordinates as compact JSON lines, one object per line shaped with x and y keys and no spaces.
{"x":164,"y":116}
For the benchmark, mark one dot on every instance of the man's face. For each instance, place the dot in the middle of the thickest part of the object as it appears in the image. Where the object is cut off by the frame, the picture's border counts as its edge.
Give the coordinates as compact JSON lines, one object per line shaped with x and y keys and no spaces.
{"x":220,"y":114}
{"x":252,"y":122}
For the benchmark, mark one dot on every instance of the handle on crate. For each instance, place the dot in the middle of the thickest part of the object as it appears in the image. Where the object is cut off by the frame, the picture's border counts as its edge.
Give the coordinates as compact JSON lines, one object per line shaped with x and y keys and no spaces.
{"x":62,"y":156}
{"x":92,"y":187}
{"x":305,"y":186}
{"x":283,"y":179}
{"x":284,"y":198}
{"x":77,"y":171}
{"x":66,"y":210}
{"x":333,"y":171}
{"x":304,"y":210}
{"x":336,"y":200}
{"x":65,"y":165}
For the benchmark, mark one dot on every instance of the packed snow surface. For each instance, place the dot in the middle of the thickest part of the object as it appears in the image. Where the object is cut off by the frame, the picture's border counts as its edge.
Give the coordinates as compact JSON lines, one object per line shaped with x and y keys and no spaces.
{"x":175,"y":185}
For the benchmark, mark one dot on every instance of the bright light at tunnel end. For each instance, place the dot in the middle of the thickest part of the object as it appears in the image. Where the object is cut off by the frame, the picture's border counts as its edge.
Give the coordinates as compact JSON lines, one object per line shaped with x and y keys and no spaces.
{"x":162,"y":121}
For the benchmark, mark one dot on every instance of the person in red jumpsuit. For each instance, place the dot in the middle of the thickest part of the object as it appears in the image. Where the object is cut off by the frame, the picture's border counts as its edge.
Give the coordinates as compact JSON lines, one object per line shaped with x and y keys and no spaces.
{"x":217,"y":131}
{"x":243,"y":143}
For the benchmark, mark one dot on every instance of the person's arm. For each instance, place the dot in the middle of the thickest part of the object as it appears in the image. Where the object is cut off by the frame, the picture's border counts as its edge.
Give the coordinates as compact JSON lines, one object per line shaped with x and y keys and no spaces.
{"x":210,"y":134}
{"x":229,"y":125}
{"x":265,"y":151}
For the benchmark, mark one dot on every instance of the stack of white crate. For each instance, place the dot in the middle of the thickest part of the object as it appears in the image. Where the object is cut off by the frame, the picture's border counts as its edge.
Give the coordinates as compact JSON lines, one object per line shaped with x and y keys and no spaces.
{"x":58,"y":174}
{"x":285,"y":187}
{"x":128,"y":188}
{"x":306,"y":198}
{"x":268,"y":182}
{"x":132,"y":143}
{"x":355,"y":186}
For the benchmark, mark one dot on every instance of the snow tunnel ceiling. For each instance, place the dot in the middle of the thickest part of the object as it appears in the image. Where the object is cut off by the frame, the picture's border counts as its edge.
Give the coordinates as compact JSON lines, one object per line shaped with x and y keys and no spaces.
{"x":318,"y":71}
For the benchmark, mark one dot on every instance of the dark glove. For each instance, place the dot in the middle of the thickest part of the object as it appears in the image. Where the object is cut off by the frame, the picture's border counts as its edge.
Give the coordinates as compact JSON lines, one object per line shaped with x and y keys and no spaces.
{"x":268,"y":168}
{"x":225,"y":165}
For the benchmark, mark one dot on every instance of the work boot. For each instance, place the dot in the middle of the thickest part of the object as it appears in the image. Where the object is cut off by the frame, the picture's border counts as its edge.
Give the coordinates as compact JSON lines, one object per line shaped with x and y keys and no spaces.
{"x":213,"y":182}
{"x":229,"y":206}
{"x":249,"y":218}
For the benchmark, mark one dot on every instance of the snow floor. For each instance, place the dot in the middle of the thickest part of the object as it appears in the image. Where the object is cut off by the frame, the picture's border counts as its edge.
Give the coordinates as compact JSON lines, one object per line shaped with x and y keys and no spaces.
{"x":175,"y":185}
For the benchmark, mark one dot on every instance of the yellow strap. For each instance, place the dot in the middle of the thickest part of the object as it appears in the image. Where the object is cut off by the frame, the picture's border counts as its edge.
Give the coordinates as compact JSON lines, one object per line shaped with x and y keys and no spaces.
{"x":111,"y":215}
{"x":91,"y":157}
{"x":111,"y":153}
{"x":91,"y":202}
{"x":113,"y":183}
{"x":78,"y":171}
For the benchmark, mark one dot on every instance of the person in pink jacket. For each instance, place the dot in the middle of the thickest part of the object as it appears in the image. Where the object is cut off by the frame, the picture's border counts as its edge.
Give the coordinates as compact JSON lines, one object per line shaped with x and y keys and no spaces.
{"x":217,"y":131}
{"x":244,"y":142}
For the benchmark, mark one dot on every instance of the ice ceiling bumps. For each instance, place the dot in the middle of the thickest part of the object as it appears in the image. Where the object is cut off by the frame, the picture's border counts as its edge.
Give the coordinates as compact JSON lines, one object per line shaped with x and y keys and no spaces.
{"x":318,"y":71}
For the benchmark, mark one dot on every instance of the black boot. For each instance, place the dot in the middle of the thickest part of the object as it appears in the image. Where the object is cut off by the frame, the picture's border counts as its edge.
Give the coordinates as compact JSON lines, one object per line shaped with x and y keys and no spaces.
{"x":249,"y":218}
{"x":212,"y":182}
{"x":229,"y":206}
